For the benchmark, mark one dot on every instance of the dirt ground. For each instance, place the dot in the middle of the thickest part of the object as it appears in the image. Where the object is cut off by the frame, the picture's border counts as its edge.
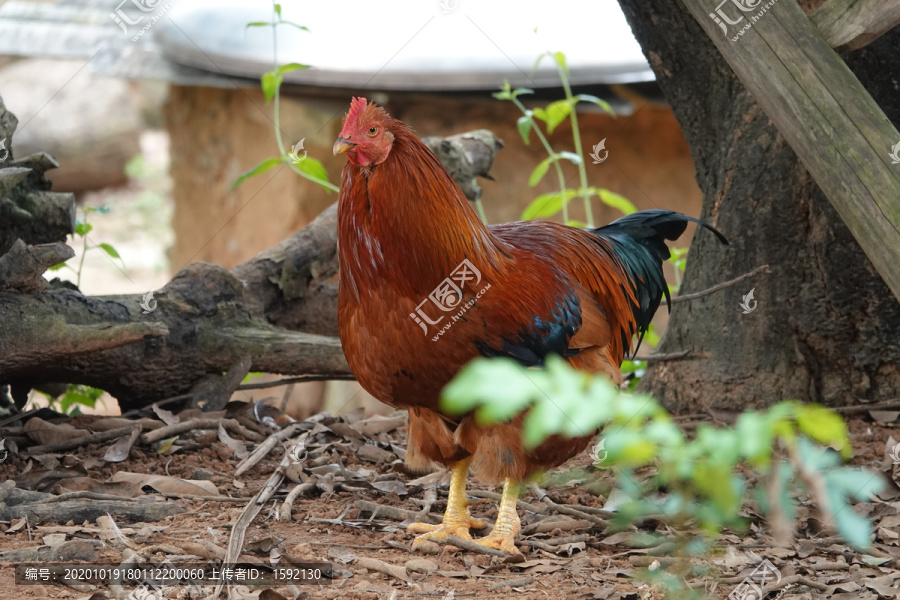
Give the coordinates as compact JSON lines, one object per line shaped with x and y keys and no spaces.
{"x":349,"y":466}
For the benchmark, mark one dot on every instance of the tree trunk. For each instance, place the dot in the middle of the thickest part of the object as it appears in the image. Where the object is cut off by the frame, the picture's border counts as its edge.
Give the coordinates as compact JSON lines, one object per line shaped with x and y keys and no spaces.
{"x":825,"y":327}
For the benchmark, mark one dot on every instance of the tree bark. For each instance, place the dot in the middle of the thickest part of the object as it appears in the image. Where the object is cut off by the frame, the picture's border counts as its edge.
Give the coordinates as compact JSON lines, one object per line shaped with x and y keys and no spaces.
{"x":826,"y":326}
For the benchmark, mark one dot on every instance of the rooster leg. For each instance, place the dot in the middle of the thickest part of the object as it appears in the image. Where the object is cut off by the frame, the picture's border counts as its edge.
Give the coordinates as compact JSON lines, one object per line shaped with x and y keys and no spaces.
{"x":457,"y":519}
{"x":503,"y":536}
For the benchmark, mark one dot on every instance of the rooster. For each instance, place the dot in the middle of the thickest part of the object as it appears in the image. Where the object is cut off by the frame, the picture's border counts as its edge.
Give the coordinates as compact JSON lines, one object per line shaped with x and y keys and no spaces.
{"x":425,"y":287}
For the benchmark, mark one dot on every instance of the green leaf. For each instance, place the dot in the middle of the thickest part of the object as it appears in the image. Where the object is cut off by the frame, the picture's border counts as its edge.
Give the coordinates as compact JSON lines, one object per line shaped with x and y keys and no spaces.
{"x":613,"y":200}
{"x":859,"y":484}
{"x":554,"y":113}
{"x":315,"y":170}
{"x":260,"y":168}
{"x":83,"y":228}
{"x":505,"y":92}
{"x":539,"y":171}
{"x":270,"y":82}
{"x":497,"y":385}
{"x":524,"y":123}
{"x":278,"y":10}
{"x":258,"y":24}
{"x":754,"y":437}
{"x":854,"y":528}
{"x":606,"y":106}
{"x":560,"y":59}
{"x":290,"y":67}
{"x":824,"y":426}
{"x":547,"y":205}
{"x":109,"y":250}
{"x":300,"y":27}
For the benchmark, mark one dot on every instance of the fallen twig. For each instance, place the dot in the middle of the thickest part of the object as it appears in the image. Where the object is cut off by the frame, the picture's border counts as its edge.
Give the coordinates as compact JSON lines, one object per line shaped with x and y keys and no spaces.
{"x":511,"y":583}
{"x":284,"y":514}
{"x":198,"y":497}
{"x":861,"y":408}
{"x":355,"y":547}
{"x":254,"y":506}
{"x":373,"y":564}
{"x":93,"y":438}
{"x":495,"y":496}
{"x":391,"y":512}
{"x":301,"y":379}
{"x":469,"y":545}
{"x":78,"y":511}
{"x":546,"y":526}
{"x":542,"y":495}
{"x":230,"y":425}
{"x":791,"y":580}
{"x":84,"y":494}
{"x":263,"y":449}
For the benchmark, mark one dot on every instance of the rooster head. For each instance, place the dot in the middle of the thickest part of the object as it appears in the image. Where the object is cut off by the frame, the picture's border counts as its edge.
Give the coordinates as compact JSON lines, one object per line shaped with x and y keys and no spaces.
{"x":365,"y":137}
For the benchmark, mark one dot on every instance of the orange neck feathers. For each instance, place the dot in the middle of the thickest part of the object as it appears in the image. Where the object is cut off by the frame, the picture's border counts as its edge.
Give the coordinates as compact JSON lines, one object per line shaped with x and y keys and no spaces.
{"x":405,"y":223}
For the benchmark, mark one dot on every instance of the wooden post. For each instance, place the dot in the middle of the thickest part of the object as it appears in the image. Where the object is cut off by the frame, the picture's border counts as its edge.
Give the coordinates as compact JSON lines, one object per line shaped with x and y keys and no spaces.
{"x":831,"y":122}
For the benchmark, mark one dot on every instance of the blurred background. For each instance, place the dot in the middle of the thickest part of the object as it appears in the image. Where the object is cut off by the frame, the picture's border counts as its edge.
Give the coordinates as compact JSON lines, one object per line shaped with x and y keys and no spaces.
{"x":153,"y":108}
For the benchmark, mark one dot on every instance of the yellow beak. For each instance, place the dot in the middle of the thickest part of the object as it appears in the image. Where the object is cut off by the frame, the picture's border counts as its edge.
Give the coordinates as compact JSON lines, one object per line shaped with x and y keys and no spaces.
{"x":342,"y":145}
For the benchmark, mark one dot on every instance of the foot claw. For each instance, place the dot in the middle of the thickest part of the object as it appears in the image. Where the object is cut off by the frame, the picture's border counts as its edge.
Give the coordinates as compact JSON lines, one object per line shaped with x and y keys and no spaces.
{"x":439,"y":532}
{"x":444,"y":530}
{"x":505,"y":543}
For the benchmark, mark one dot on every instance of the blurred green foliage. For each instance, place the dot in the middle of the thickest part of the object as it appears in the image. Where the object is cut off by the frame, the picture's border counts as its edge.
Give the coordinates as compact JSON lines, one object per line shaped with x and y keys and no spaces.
{"x":702,"y":477}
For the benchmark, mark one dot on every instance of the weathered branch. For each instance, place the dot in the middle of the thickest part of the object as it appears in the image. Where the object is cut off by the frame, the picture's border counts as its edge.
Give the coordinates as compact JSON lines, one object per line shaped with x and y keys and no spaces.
{"x":199,"y":327}
{"x":719,"y":286}
{"x":28,"y":210}
{"x":467,"y":156}
{"x":23,"y":266}
{"x":289,"y":282}
{"x":829,"y":119}
{"x":851,"y":24}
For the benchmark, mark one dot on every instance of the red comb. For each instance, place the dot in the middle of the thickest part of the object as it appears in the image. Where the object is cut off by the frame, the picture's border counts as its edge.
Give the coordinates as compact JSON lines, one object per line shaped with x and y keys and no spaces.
{"x":357,"y":106}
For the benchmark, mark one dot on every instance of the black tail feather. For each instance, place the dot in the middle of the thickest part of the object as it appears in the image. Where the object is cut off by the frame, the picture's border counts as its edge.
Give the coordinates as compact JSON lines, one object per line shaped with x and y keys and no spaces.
{"x":639,"y":240}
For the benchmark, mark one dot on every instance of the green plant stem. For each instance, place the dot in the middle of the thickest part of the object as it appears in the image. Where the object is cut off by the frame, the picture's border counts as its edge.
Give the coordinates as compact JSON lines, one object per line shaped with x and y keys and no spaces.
{"x":84,"y":249}
{"x":276,"y":109}
{"x":576,"y":136}
{"x":550,"y":152}
{"x":479,"y":207}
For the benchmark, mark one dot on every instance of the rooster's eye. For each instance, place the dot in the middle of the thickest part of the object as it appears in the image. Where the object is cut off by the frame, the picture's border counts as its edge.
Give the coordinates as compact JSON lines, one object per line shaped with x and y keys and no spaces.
{"x":373,"y":130}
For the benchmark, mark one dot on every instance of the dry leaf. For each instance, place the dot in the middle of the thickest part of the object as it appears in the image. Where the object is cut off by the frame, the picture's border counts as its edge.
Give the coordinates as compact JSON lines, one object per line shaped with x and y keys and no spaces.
{"x":42,"y":479}
{"x":341,"y":555}
{"x":119,"y":451}
{"x":44,"y":432}
{"x":169,"y":485}
{"x":380,"y":424}
{"x":54,"y":539}
{"x":390,"y":486}
{"x":884,"y":416}
{"x":17,"y":525}
{"x":165,"y":416}
{"x":89,"y":484}
{"x":239,"y":448}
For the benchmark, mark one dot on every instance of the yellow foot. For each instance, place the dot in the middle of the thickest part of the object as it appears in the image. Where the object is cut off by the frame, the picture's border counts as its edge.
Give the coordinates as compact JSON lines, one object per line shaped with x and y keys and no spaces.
{"x":457,"y":519}
{"x":440,"y":532}
{"x":499,"y":541}
{"x":503,"y":536}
